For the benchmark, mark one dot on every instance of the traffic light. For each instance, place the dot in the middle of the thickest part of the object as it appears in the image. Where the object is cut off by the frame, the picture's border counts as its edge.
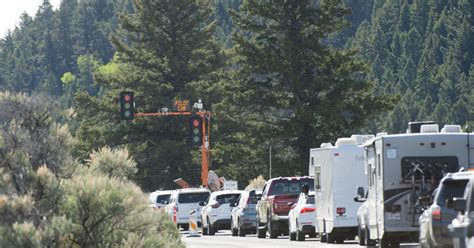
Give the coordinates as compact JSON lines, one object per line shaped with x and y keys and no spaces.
{"x":196,"y":130}
{"x":127,"y":105}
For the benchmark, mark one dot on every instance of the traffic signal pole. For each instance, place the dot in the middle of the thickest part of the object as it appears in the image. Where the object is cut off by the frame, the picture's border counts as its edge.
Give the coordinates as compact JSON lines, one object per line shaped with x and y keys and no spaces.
{"x":205,"y":139}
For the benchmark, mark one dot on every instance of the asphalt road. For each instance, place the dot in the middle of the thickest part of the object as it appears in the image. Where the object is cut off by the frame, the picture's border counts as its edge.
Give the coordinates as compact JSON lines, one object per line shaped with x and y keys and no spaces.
{"x":225,"y":239}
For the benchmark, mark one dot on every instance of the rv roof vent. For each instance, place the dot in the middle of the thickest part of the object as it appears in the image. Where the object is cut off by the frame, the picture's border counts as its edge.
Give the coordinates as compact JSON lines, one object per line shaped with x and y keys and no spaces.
{"x":451,"y":129}
{"x":361,"y":139}
{"x":326,"y":145}
{"x":345,"y":142}
{"x":429,"y":128}
{"x":381,"y":134}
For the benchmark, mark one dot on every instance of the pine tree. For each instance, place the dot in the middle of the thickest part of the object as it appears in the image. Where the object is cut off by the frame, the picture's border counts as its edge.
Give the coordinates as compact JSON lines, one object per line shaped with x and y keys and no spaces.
{"x":293,"y":80}
{"x":166,"y":51}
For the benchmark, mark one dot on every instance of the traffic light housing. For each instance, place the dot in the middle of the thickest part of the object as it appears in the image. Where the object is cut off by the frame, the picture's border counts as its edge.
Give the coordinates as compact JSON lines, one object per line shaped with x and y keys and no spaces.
{"x":196,"y":130}
{"x":127,"y":105}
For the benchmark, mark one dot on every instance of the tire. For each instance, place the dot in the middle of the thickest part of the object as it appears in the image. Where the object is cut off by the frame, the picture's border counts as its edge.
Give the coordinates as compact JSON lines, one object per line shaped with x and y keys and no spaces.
{"x":291,"y":236}
{"x":368,"y":241}
{"x":322,"y":238}
{"x":240,"y":230}
{"x":203,"y":229}
{"x":340,"y":240}
{"x":272,"y":233}
{"x":261,"y":232}
{"x":300,"y":236}
{"x":331,"y":238}
{"x":210,"y":230}
{"x":361,"y":236}
{"x":185,"y":227}
{"x":235,"y":232}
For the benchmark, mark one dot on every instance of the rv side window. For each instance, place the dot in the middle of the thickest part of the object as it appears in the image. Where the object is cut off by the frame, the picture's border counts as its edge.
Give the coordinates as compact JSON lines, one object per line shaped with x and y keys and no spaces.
{"x":312,"y":160}
{"x":317,"y":177}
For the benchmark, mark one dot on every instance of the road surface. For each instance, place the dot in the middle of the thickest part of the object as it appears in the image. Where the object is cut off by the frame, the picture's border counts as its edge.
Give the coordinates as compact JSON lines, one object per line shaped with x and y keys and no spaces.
{"x":224,"y":239}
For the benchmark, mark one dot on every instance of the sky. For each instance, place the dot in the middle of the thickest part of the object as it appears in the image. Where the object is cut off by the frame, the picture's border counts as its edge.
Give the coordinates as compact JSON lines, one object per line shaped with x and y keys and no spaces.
{"x":11,"y":10}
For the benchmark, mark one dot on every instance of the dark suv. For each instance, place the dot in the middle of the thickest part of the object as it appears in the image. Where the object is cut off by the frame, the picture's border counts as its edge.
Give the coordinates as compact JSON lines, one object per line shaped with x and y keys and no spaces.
{"x":435,"y":219}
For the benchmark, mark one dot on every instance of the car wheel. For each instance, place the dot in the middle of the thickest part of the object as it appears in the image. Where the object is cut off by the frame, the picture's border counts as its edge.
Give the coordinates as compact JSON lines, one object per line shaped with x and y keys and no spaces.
{"x":300,"y":236}
{"x":203,"y":228}
{"x":322,"y":237}
{"x":234,"y":231}
{"x":340,"y":240}
{"x":331,"y":238}
{"x":272,"y":233}
{"x":240,"y":230}
{"x":291,"y":235}
{"x":210,"y":229}
{"x":360,"y":235}
{"x":368,"y":241}
{"x":261,"y":232}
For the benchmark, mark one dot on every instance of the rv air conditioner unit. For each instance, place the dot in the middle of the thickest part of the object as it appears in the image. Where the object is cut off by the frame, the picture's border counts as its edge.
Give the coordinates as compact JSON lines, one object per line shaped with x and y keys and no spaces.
{"x":430,"y":128}
{"x":361,"y":139}
{"x":451,"y":129}
{"x":345,"y":142}
{"x":326,"y":145}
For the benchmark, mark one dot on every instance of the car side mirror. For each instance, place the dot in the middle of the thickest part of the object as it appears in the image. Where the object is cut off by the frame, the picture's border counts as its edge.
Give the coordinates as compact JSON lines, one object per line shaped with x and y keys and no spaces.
{"x":233,"y":205}
{"x":459,"y":204}
{"x":202,"y":204}
{"x":360,"y":192}
{"x":290,"y":204}
{"x":359,"y":199}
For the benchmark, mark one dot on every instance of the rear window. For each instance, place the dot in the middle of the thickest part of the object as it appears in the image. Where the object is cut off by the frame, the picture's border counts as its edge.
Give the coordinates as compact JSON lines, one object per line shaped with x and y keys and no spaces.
{"x":290,"y":187}
{"x":310,"y":199}
{"x":193,"y":197}
{"x":161,"y":198}
{"x":254,"y":199}
{"x":230,"y":198}
{"x":450,"y":189}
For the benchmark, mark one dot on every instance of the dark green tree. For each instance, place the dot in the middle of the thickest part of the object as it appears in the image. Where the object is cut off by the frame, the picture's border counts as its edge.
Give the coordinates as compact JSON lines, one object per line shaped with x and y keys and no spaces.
{"x":295,"y":90}
{"x":166,"y":51}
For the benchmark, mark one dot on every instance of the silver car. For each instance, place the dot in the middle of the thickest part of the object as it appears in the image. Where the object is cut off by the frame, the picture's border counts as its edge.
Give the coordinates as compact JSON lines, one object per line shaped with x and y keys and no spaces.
{"x":462,"y":227}
{"x":244,"y":215}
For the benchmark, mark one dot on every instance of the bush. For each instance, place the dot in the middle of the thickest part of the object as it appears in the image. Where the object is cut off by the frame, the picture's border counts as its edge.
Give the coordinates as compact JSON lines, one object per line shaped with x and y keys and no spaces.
{"x":112,"y":162}
{"x":109,"y":212}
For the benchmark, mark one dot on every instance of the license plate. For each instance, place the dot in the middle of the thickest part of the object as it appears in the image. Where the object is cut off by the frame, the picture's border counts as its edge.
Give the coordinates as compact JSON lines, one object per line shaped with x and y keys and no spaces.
{"x":394,"y":216}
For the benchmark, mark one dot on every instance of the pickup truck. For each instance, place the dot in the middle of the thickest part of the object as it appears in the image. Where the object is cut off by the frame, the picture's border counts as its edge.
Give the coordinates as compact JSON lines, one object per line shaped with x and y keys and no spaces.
{"x":279,"y":194}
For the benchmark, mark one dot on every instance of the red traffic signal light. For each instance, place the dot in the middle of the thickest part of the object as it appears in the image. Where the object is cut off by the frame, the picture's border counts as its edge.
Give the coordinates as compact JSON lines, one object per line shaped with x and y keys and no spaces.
{"x":196,"y":130}
{"x":127,"y":105}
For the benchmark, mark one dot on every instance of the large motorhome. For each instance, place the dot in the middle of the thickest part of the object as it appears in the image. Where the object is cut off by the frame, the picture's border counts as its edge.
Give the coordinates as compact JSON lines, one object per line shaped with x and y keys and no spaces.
{"x":401,"y":170}
{"x":337,"y":170}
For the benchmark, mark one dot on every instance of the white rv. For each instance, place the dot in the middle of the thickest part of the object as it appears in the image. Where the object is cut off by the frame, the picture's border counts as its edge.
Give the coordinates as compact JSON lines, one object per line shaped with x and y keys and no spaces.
{"x":338,"y":170}
{"x":401,"y":168}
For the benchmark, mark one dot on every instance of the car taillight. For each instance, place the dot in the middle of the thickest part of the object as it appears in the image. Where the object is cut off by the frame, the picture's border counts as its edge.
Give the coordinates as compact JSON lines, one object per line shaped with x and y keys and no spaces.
{"x":216,"y":205}
{"x":275,"y":205}
{"x":307,"y":210}
{"x":436,"y":213}
{"x":340,"y":211}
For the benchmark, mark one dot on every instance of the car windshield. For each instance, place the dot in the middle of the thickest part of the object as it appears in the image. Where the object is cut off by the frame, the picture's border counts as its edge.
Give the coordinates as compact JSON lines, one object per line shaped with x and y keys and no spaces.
{"x":193,"y":197}
{"x":161,"y":198}
{"x":286,"y":187}
{"x":450,"y":189}
{"x":310,"y":199}
{"x":228,"y":198}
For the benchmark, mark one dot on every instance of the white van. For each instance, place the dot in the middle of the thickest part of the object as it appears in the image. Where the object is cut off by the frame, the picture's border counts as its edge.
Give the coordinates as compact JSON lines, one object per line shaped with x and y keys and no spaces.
{"x":338,"y":170}
{"x":181,"y":201}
